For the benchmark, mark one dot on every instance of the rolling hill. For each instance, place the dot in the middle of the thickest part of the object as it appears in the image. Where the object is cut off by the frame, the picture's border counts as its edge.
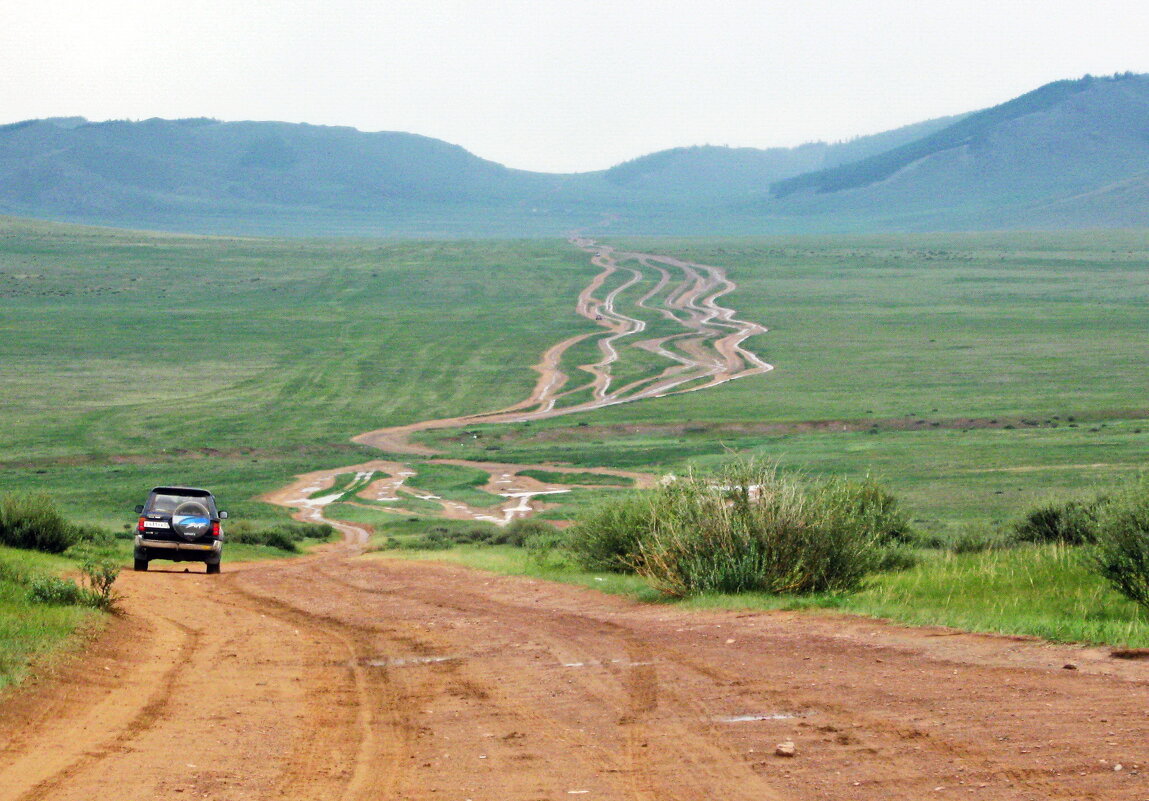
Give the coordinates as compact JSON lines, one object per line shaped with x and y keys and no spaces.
{"x":1068,"y":154}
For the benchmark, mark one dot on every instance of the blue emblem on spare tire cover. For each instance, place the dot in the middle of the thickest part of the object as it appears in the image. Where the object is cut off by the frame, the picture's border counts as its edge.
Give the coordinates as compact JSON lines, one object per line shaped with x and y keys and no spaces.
{"x":191,"y":526}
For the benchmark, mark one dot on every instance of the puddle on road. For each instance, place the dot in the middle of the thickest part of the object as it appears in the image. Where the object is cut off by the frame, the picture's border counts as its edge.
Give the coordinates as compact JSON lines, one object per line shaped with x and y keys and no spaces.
{"x":407,"y":661}
{"x":600,"y":663}
{"x":753,"y":718}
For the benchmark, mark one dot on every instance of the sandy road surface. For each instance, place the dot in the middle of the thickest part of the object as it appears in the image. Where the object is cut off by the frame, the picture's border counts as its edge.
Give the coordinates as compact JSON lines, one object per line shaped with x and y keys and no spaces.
{"x":359,"y":678}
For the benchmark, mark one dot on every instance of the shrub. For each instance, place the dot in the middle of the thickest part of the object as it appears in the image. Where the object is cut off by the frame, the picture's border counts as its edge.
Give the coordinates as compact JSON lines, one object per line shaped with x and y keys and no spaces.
{"x":979,"y":539}
{"x":452,"y":533}
{"x":898,"y":558}
{"x":873,"y":507}
{"x":517,"y":532}
{"x":278,"y":538}
{"x":92,"y":535}
{"x":55,"y":591}
{"x":284,"y":536}
{"x":609,"y":536}
{"x":746,"y":529}
{"x":30,"y":521}
{"x":13,"y":574}
{"x":1070,"y":522}
{"x":1122,"y":554}
{"x":548,"y":548}
{"x":100,"y":575}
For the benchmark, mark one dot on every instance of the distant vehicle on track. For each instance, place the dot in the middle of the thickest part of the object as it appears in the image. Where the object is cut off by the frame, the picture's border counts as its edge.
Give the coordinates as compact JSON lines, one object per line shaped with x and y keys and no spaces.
{"x":181,"y":524}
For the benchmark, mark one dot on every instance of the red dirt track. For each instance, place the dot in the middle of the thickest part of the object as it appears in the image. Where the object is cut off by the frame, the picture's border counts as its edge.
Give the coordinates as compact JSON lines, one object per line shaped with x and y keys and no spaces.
{"x":336,"y":677}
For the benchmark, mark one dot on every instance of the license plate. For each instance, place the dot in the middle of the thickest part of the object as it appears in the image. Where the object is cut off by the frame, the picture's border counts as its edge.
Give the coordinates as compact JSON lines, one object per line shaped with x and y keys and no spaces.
{"x":156,"y":524}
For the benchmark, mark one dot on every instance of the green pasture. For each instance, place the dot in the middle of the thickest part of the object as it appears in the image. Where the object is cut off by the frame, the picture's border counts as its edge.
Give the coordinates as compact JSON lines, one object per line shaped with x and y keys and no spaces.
{"x":116,"y":343}
{"x":454,"y":483}
{"x":974,"y":374}
{"x":947,"y":477}
{"x":31,"y":631}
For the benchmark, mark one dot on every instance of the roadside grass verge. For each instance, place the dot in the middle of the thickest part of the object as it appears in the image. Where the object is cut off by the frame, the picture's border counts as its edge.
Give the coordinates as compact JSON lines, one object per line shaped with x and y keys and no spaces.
{"x":31,"y":630}
{"x":1043,"y":591}
{"x":579,"y":478}
{"x":510,"y":561}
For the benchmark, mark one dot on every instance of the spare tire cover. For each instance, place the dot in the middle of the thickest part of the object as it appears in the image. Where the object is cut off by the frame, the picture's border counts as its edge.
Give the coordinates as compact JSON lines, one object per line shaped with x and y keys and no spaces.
{"x":191,"y":520}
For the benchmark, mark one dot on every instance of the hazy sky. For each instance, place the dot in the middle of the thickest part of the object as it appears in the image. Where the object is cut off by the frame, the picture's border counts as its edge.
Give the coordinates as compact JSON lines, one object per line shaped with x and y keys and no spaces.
{"x":559,"y":85}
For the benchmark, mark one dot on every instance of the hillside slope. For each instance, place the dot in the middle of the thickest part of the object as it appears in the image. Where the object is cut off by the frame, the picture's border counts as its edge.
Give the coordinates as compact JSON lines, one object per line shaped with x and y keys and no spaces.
{"x":1069,"y":154}
{"x":1064,"y":155}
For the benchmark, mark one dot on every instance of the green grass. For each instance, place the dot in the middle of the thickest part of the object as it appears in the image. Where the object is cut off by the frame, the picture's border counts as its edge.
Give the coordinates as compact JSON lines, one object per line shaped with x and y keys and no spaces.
{"x":948,"y":478}
{"x":32,"y":631}
{"x":584,"y":479}
{"x":131,"y":360}
{"x":511,"y":561}
{"x":1045,"y":591}
{"x":150,"y":342}
{"x":1042,"y":591}
{"x":348,"y":484}
{"x":455,"y":483}
{"x":968,"y":324}
{"x":105,"y":491}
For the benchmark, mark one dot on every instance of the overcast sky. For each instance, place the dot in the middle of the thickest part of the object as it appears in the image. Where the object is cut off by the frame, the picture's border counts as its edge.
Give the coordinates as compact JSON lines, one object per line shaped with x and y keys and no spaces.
{"x":557,"y":85}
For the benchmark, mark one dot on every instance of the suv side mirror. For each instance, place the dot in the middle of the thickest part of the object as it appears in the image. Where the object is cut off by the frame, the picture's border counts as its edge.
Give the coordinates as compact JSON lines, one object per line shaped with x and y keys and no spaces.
{"x":223,"y":515}
{"x":140,"y":509}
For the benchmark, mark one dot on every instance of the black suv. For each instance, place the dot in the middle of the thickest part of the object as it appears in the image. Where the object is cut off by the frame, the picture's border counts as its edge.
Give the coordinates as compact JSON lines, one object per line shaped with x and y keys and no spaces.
{"x":181,"y":524}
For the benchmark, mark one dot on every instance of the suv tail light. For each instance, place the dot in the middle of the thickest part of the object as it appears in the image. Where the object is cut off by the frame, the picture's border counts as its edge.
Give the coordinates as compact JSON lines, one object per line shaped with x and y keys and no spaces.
{"x":140,"y":526}
{"x":215,"y":529}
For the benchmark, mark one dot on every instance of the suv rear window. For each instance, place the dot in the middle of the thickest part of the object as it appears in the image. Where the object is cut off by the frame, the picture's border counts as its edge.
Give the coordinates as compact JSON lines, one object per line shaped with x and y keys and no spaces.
{"x":167,"y":503}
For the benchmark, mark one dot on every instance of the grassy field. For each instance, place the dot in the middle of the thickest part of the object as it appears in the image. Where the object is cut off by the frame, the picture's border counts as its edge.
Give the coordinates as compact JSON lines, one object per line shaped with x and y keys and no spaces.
{"x":31,"y":631}
{"x":975,"y":374}
{"x":132,"y":359}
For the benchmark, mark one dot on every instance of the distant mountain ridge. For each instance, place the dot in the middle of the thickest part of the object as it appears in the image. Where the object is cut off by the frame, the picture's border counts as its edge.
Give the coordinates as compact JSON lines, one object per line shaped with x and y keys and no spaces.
{"x":1068,"y":154}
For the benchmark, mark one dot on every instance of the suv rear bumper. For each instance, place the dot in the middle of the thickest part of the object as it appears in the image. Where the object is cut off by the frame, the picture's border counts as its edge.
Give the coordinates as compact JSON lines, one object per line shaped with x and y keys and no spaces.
{"x":171,"y":545}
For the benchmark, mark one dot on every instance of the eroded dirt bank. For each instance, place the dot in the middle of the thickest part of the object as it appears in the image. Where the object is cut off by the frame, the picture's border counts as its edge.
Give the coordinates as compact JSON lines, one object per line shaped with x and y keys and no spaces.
{"x":363,"y":678}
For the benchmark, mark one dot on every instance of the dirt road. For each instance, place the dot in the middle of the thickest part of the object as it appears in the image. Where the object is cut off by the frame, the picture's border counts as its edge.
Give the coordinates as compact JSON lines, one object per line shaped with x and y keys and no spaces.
{"x":706,"y":352}
{"x":348,"y":677}
{"x":706,"y":349}
{"x":360,"y":678}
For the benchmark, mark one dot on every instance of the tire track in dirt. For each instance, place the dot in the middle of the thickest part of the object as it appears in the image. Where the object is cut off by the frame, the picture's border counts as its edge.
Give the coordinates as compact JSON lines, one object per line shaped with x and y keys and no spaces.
{"x":696,"y":295}
{"x":707,"y":353}
{"x":79,"y":757}
{"x":688,"y":704}
{"x":362,"y":678}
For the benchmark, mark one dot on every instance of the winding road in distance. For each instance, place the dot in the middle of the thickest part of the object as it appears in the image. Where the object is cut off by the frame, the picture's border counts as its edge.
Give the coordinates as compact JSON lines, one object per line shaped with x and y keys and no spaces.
{"x":702,"y":346}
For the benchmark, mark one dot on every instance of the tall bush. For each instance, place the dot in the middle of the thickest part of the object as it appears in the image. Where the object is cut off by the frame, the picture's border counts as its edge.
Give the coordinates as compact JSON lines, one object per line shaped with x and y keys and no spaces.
{"x":1070,"y":522}
{"x":746,"y":529}
{"x":1122,"y":554}
{"x":608,"y":537}
{"x":31,"y":521}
